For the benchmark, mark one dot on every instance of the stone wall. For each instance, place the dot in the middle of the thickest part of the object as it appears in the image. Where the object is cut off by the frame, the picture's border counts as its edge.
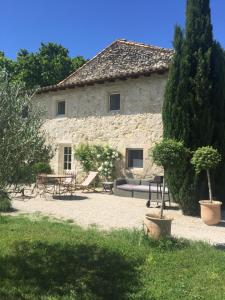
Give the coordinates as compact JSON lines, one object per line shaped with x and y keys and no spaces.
{"x":87,"y":119}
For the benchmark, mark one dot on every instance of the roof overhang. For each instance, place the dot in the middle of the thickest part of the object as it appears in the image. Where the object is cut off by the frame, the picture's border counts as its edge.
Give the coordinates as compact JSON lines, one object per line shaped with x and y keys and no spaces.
{"x":123,"y":76}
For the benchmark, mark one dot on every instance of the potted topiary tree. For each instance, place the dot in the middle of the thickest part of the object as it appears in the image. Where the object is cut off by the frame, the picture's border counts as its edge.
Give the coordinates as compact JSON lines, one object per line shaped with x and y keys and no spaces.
{"x":166,"y":154}
{"x":205,"y":159}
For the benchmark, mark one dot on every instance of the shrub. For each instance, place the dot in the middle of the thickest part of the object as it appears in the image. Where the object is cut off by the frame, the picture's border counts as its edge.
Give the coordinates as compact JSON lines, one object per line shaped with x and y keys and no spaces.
{"x":106,"y":158}
{"x":26,"y":173}
{"x":84,"y":153}
{"x":97,"y":158}
{"x":169,"y":154}
{"x":41,"y":167}
{"x":5,"y":203}
{"x":204,"y":159}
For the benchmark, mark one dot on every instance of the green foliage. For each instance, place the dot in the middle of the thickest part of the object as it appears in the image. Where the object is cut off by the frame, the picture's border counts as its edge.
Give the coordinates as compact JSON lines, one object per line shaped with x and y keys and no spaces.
{"x":22,"y":142}
{"x":41,"y":167}
{"x":172,"y":102}
{"x":218,"y":112}
{"x":187,"y":108}
{"x":205,"y":158}
{"x":47,"y":259}
{"x":26,"y":173}
{"x":193,"y":109}
{"x":55,"y":63}
{"x":169,"y":153}
{"x":5,"y":203}
{"x":97,"y":158}
{"x":106,"y":159}
{"x":173,"y":157}
{"x":49,"y":65}
{"x":27,"y":69}
{"x":86,"y":155}
{"x":77,"y":62}
{"x":6,"y":64}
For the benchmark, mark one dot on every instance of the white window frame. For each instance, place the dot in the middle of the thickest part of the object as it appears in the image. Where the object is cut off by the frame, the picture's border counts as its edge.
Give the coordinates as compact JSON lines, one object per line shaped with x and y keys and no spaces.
{"x":68,"y":160}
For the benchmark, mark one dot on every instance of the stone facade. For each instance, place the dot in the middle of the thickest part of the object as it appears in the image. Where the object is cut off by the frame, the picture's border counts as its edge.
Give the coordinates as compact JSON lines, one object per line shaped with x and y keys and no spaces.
{"x":138,"y":124}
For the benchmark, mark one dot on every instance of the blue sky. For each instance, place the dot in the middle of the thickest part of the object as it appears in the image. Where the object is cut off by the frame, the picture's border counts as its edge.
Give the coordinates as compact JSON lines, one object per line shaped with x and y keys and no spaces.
{"x":87,"y":26}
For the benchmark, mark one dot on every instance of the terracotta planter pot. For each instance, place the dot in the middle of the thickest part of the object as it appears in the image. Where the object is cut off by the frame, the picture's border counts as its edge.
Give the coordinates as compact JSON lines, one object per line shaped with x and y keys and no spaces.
{"x":156,"y":227}
{"x":210,"y":212}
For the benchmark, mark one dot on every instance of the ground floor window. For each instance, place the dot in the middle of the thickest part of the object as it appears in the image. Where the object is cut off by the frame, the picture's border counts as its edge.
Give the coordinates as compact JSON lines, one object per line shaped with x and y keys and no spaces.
{"x":135,"y":158}
{"x":67,"y":158}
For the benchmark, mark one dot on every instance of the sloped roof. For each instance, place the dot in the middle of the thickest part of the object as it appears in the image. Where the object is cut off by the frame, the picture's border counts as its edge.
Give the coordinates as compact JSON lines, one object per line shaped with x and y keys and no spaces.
{"x":121,"y":59}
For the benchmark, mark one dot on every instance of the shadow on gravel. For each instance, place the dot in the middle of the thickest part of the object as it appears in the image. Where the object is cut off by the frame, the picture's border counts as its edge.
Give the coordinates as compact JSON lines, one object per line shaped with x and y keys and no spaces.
{"x":69,"y":198}
{"x":221,"y":224}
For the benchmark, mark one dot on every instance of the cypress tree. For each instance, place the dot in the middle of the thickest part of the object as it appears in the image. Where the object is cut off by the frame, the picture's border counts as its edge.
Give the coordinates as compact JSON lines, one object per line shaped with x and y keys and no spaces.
{"x":218,"y":112}
{"x":194,"y":99}
{"x":171,"y":109}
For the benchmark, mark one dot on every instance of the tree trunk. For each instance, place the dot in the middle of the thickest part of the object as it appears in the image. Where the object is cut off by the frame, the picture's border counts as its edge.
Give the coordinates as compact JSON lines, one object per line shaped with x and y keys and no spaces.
{"x":210,"y":188}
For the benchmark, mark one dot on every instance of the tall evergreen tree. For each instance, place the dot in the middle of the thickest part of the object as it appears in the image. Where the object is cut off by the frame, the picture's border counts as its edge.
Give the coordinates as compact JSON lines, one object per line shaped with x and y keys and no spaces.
{"x":171,"y":107}
{"x":193,"y":91}
{"x":218,"y":112}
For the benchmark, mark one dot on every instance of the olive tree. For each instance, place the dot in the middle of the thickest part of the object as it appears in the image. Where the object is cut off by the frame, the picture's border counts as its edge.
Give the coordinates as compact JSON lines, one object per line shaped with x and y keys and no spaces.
{"x":22,"y":143}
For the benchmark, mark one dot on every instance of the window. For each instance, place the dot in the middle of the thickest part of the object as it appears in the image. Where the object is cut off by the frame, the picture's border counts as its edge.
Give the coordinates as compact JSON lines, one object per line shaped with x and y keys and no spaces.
{"x":135,"y":158}
{"x":114,"y":102}
{"x":61,"y":105}
{"x":67,"y":158}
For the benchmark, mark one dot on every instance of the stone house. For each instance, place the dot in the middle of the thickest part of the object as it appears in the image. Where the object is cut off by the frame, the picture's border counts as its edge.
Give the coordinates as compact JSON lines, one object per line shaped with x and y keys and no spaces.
{"x":116,"y":99}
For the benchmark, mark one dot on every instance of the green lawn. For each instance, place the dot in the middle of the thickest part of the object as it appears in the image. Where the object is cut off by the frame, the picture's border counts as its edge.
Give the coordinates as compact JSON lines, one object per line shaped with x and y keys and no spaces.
{"x":41,"y":259}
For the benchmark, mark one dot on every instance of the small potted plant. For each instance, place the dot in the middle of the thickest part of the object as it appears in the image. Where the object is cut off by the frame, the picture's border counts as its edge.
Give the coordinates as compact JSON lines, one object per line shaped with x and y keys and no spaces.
{"x":205,"y":159}
{"x":166,"y":154}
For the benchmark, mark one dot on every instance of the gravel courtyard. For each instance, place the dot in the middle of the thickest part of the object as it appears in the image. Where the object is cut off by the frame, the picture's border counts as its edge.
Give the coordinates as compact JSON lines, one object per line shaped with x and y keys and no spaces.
{"x":109,"y":211}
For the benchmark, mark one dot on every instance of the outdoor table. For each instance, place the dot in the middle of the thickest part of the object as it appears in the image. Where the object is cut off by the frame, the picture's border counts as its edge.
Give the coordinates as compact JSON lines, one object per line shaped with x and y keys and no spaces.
{"x":56,"y":184}
{"x":108,"y":186}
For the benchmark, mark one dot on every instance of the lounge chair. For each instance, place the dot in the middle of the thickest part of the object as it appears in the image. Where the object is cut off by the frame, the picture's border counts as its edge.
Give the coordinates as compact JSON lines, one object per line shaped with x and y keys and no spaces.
{"x":89,"y":181}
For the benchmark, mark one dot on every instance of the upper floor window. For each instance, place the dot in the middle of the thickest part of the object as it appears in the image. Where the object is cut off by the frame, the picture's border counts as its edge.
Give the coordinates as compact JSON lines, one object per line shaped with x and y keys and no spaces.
{"x":114,"y":102}
{"x":61,"y":108}
{"x":135,"y":158}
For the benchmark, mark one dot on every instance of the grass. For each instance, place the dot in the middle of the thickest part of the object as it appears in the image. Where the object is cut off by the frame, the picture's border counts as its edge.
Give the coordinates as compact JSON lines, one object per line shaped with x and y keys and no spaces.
{"x":42,"y":259}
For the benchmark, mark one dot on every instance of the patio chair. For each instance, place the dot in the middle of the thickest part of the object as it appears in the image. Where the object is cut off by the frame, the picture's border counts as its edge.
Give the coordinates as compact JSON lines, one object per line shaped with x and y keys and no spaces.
{"x":45,"y":185}
{"x":88,"y":182}
{"x":68,"y":185}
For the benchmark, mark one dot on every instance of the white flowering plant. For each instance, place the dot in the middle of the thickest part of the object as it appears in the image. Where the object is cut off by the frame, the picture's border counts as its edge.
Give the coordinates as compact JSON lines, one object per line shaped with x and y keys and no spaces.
{"x":106,"y":159}
{"x":98,"y":158}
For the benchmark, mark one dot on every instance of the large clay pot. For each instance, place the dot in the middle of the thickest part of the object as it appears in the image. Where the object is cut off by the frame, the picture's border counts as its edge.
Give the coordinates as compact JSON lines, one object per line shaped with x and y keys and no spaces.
{"x":210,"y":212}
{"x":156,"y":227}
